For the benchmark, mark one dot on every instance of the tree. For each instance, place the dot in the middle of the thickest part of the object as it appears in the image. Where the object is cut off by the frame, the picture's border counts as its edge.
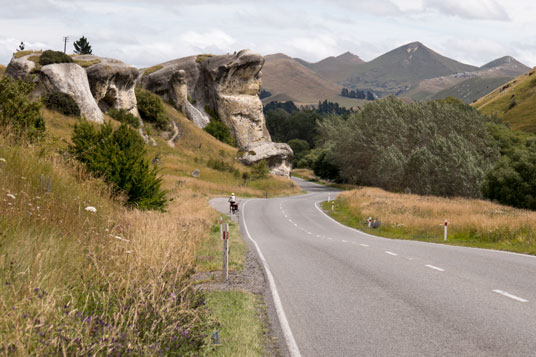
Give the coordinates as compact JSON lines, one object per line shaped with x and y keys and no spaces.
{"x":82,"y":47}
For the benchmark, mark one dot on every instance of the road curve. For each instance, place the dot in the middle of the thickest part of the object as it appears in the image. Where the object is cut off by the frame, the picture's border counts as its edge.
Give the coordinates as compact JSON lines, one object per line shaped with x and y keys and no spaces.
{"x":346,"y":293}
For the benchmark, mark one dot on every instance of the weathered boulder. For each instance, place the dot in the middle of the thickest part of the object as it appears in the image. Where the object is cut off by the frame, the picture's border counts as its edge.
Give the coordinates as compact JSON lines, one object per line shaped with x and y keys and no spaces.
{"x":112,"y":83}
{"x":277,"y":155}
{"x":19,"y":68}
{"x":228,"y":86}
{"x":70,"y":78}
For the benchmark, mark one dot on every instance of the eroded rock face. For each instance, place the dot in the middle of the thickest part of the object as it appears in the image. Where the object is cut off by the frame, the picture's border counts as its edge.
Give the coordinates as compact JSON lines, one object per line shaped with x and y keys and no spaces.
{"x":19,"y":68}
{"x":112,"y":83}
{"x":229,"y":85}
{"x":278,"y":155}
{"x":70,"y":78}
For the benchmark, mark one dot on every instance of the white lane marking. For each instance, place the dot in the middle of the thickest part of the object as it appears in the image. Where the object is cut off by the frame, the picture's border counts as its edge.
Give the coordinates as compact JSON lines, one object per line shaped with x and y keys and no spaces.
{"x":310,"y":233}
{"x":504,"y":293}
{"x":318,"y":236}
{"x":390,"y":253}
{"x":364,"y":245}
{"x":433,"y":267}
{"x":344,"y":241}
{"x":295,"y":225}
{"x":330,"y":238}
{"x":287,"y":332}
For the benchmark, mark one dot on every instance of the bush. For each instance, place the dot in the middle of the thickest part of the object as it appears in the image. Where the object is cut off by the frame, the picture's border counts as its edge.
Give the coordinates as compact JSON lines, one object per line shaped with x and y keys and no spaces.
{"x":324,"y":167}
{"x":218,"y":130}
{"x":118,"y":156}
{"x":62,"y":103}
{"x":124,"y":117}
{"x":300,"y":149}
{"x":50,"y":57}
{"x":152,"y":109}
{"x":260,"y":170}
{"x":17,"y":111}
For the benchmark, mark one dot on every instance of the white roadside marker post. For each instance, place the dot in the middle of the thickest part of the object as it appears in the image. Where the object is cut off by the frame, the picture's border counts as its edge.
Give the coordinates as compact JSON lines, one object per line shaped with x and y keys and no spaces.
{"x":446,"y":224}
{"x":221,"y":227}
{"x":369,"y":222}
{"x":329,"y":197}
{"x":226,"y":252}
{"x":333,"y":205}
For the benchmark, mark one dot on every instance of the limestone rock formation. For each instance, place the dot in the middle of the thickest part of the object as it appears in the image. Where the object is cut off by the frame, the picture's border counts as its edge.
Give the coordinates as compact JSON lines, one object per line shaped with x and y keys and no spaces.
{"x":20,"y":67}
{"x":70,"y":78}
{"x":112,"y":83}
{"x":227,"y":85}
{"x":277,"y":155}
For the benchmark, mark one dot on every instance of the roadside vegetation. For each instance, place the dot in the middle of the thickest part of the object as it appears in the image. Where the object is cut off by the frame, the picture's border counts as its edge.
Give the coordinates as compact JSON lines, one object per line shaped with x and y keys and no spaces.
{"x":473,"y":223}
{"x":81,"y":273}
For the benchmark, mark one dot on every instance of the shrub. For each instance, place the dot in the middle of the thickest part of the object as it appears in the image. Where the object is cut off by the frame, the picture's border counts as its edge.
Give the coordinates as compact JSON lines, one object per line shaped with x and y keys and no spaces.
{"x":50,"y":57}
{"x":300,"y":149}
{"x":62,"y":103}
{"x":17,"y":111}
{"x":124,"y":117}
{"x":152,"y":109}
{"x":218,"y":130}
{"x":260,"y":170}
{"x":118,"y":156}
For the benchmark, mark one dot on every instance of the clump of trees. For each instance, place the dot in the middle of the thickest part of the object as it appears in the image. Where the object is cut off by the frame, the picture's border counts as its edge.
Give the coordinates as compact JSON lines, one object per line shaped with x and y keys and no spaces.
{"x":118,"y":155}
{"x":123,"y":116}
{"x":435,"y":148}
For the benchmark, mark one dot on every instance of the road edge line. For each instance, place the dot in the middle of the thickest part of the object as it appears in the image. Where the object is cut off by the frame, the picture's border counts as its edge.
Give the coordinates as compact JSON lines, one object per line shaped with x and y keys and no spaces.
{"x":285,"y":327}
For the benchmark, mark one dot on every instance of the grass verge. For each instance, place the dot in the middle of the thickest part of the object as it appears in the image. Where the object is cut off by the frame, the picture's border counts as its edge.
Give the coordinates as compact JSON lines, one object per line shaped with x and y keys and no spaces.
{"x":472,"y":223}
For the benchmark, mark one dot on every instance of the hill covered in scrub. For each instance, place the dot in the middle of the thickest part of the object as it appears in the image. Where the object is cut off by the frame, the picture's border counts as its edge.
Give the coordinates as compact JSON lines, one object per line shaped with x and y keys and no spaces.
{"x":514,"y":102}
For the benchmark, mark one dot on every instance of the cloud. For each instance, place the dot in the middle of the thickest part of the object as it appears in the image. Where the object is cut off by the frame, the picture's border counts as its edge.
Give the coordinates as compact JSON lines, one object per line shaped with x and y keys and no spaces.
{"x":469,"y":9}
{"x":215,"y":39}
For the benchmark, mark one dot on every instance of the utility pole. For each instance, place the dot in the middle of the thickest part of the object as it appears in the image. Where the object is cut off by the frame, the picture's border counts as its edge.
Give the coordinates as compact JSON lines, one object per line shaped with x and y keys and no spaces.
{"x":65,"y":40}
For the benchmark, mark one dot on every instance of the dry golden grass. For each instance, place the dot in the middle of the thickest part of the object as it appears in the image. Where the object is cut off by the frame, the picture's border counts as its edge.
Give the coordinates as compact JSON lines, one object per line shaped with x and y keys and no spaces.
{"x":413,"y":216}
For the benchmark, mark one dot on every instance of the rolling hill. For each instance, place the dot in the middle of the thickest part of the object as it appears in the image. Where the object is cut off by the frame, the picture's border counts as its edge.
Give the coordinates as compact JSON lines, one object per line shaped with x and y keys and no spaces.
{"x":335,"y":69}
{"x":285,"y":77}
{"x":514,"y":102}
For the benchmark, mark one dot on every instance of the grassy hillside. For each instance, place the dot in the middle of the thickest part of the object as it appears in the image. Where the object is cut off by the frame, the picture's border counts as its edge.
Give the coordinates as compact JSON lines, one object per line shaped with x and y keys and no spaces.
{"x":399,"y":69}
{"x":514,"y":102}
{"x":2,"y":70}
{"x":471,"y":89}
{"x":113,"y":281}
{"x":283,"y":75}
{"x":332,"y":68}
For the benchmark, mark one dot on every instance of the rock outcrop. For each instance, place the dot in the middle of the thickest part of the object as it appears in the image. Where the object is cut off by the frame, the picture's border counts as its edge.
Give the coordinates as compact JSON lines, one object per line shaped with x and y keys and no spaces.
{"x":105,"y":83}
{"x":112,"y":83}
{"x":228,"y":86}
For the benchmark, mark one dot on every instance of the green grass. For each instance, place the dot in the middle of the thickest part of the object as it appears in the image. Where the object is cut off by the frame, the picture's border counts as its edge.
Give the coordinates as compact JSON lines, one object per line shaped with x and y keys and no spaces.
{"x":152,"y":69}
{"x":466,"y":238}
{"x":241,"y":331}
{"x":86,"y":64}
{"x":203,"y":57}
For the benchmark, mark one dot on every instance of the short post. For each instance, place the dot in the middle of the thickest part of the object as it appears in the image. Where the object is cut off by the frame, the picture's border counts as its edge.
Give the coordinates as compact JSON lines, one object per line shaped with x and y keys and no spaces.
{"x":266,"y":195}
{"x":329,"y":197}
{"x":226,"y":252}
{"x":446,"y":224}
{"x":369,"y":222}
{"x":221,"y":227}
{"x":332,"y":205}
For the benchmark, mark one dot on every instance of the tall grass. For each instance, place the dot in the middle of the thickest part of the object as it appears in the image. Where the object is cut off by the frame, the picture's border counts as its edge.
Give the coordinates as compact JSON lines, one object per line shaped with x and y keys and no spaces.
{"x":77,"y":282}
{"x":471,"y":222}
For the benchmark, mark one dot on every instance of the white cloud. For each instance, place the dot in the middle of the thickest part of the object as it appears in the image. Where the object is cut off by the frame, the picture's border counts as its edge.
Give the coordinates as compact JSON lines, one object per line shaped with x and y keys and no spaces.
{"x":214,"y":39}
{"x":469,"y":9}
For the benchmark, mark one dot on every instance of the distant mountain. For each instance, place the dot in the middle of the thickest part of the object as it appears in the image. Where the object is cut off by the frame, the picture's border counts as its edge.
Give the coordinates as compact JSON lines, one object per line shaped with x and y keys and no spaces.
{"x":514,"y":102}
{"x":469,"y":86}
{"x":398,"y":70}
{"x":285,"y":77}
{"x":335,"y":69}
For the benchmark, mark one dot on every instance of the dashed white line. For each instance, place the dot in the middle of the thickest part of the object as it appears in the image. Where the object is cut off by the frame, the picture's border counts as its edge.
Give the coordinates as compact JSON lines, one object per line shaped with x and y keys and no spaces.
{"x":434,"y":267}
{"x":504,"y":293}
{"x":318,"y":236}
{"x":330,"y":238}
{"x":390,"y":253}
{"x":344,"y":241}
{"x":364,"y":245}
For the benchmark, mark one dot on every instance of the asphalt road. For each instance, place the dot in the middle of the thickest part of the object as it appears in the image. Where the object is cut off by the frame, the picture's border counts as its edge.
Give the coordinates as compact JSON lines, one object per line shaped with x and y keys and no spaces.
{"x":346,"y":293}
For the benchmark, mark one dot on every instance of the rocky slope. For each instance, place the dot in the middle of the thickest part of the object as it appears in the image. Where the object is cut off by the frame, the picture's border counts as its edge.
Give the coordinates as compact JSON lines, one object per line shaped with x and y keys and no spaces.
{"x":227,"y":87}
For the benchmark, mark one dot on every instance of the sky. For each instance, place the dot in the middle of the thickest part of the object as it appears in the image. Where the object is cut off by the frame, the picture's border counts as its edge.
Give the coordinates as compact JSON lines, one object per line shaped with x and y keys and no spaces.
{"x":145,"y":33}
